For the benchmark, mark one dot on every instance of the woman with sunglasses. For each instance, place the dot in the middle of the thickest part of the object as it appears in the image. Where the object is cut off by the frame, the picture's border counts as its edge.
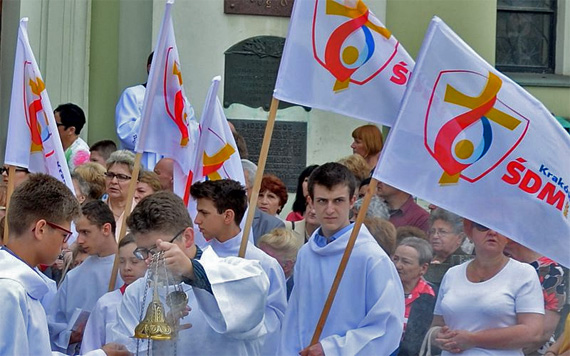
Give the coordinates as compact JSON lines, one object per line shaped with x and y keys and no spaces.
{"x":491,"y":305}
{"x":20,"y":175}
{"x":120,"y":167}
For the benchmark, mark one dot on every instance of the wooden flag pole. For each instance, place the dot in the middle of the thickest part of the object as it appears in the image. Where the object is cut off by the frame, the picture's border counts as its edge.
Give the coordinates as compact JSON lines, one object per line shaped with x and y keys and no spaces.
{"x":343,"y":262}
{"x":9,"y":191}
{"x":259,"y":175}
{"x":128,"y":208}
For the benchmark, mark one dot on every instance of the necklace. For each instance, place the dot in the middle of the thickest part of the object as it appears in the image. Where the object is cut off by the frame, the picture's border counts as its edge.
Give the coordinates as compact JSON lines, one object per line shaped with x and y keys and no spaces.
{"x":478,"y":275}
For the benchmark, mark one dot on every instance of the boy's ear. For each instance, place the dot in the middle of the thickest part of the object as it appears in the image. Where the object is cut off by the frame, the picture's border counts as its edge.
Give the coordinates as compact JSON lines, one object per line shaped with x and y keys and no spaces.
{"x":39,"y":229}
{"x":188,"y":236}
{"x":229,"y":216}
{"x":106,"y":228}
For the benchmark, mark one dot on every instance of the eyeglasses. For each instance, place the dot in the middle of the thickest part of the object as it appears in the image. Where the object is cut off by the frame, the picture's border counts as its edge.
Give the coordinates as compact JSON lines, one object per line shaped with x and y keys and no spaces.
{"x":7,"y":170}
{"x":120,"y":177}
{"x":58,"y":124}
{"x":61,"y":228}
{"x":441,"y":233}
{"x":142,"y":253}
{"x":480,"y":227}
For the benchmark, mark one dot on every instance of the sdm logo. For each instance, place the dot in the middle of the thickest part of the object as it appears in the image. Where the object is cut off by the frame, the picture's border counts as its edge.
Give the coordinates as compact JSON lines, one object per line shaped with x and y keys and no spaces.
{"x":352,"y":44}
{"x":471,"y":130}
{"x":36,"y":118}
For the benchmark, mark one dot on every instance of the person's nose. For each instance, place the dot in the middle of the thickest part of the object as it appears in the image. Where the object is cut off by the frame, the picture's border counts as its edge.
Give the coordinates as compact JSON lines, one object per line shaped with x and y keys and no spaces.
{"x":262,"y":199}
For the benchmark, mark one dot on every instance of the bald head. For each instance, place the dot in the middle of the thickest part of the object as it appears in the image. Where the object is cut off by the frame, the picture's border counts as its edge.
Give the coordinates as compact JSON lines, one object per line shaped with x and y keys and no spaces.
{"x":164,"y":169}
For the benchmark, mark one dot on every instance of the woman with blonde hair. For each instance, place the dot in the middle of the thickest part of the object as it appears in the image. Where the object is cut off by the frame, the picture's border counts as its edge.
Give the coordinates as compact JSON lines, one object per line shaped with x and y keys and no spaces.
{"x":94,"y":174}
{"x":148,"y":184}
{"x":357,"y":165}
{"x":283,"y":245}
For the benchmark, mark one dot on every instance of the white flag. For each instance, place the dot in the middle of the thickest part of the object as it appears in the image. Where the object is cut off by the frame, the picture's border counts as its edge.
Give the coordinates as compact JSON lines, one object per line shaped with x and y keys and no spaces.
{"x":168,"y":125}
{"x":339,"y":57}
{"x":217,"y":156}
{"x":33,"y":139}
{"x":472,"y":141}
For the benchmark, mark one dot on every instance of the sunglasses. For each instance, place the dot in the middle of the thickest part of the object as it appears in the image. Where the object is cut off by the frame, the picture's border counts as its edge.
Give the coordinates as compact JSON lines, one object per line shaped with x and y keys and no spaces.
{"x":7,"y":170}
{"x":480,"y":227}
{"x":142,"y":253}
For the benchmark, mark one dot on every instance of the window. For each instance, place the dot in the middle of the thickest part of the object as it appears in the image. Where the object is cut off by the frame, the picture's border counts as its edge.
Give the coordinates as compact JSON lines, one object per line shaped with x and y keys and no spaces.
{"x":526,"y":35}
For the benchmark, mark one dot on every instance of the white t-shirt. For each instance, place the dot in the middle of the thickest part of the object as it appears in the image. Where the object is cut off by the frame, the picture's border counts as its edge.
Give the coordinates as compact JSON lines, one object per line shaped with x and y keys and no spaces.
{"x":494,"y":303}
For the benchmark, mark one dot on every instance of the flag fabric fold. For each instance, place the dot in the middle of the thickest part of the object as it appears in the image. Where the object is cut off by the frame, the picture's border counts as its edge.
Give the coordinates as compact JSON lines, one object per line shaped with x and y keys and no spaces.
{"x":470,"y":140}
{"x":168,"y":125}
{"x":339,"y":57}
{"x":216,"y":154}
{"x":33,"y":139}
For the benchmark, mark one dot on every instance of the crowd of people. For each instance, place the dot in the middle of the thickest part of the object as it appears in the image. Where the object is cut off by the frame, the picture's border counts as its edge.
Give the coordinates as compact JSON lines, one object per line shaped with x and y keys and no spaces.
{"x":496,"y":296}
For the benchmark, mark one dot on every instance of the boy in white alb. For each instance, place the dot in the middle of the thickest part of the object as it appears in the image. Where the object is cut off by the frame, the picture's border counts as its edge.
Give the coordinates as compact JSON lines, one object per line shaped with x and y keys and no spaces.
{"x":226,"y":296}
{"x":367,"y":315}
{"x":221,"y":205}
{"x":40,"y":215}
{"x":104,"y":314}
{"x":85,"y":284}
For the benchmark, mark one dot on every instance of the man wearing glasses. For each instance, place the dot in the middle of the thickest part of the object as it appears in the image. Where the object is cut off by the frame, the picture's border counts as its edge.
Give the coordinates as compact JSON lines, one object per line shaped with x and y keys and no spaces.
{"x":226,"y":296}
{"x":70,"y":119}
{"x":85,"y":284}
{"x":39,"y":217}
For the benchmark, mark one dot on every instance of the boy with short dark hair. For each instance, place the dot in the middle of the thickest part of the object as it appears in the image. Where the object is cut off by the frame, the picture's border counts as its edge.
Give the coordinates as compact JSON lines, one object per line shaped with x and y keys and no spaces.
{"x":226,"y":295}
{"x":70,"y":119}
{"x":221,"y":205}
{"x":39,"y":219}
{"x":86,"y":283}
{"x":367,"y":315}
{"x":100,"y":151}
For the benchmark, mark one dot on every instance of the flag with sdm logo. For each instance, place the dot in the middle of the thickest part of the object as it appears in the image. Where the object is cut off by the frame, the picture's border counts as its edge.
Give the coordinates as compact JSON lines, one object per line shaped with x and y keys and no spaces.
{"x":33,"y":139}
{"x":472,"y":141}
{"x":339,"y":57}
{"x":168,"y":126}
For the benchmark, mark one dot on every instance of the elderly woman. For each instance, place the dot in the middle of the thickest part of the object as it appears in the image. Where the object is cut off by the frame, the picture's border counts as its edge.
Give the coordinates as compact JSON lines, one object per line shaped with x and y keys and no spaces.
{"x":412,"y":258}
{"x":368,"y":143}
{"x":272,"y":195}
{"x":119,"y":171}
{"x":491,"y":305}
{"x":445,"y":235}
